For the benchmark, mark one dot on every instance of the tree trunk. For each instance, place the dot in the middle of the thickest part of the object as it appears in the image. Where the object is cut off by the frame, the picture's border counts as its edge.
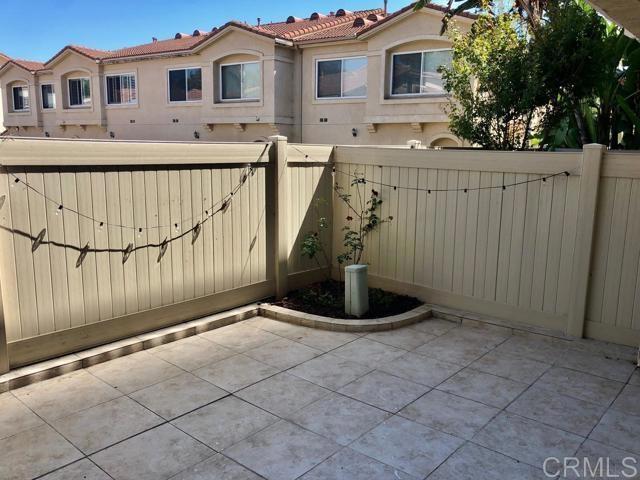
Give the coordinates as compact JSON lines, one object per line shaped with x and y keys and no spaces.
{"x":584,"y":139}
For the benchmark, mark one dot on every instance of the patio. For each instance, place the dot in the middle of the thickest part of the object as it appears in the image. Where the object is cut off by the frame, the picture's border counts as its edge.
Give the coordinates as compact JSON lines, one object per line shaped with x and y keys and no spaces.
{"x":267,"y":399}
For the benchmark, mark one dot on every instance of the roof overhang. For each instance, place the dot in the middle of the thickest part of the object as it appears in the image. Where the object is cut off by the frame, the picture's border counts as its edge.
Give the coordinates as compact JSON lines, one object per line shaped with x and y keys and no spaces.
{"x":401,"y":15}
{"x":625,"y":13}
{"x":66,"y":51}
{"x":10,"y":64}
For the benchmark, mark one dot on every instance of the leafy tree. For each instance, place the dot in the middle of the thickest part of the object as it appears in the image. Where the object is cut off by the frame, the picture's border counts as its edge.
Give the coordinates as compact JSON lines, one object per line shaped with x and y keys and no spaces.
{"x":561,"y":76}
{"x":494,"y":89}
{"x":599,"y":99}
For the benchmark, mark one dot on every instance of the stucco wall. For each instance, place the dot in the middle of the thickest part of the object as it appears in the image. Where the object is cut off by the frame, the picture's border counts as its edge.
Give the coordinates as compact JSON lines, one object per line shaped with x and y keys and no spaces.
{"x":287,"y":104}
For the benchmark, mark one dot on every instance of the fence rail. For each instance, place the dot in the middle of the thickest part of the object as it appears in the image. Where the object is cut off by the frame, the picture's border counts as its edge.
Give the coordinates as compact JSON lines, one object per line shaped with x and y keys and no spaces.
{"x":507,"y":234}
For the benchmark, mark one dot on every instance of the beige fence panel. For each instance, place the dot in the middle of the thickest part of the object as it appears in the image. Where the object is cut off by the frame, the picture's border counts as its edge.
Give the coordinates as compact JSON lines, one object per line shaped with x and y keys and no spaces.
{"x":614,"y":293}
{"x":503,"y":252}
{"x":43,"y":291}
{"x":310,"y":198}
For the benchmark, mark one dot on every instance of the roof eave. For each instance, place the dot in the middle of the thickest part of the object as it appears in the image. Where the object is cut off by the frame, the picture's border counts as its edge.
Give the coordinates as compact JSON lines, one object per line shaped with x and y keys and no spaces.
{"x":392,"y":19}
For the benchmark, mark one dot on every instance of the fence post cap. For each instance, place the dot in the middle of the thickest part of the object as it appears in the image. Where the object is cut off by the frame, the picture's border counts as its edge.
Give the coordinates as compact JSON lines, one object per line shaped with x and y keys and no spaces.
{"x":277,"y":138}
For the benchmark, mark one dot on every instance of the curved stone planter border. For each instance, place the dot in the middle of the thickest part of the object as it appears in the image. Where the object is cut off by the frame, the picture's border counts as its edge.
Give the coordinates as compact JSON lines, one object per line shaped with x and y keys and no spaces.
{"x":345,"y":325}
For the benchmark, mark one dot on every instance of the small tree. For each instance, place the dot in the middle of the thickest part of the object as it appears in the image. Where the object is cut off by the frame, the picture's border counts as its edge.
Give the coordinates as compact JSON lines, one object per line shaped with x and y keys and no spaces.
{"x":312,"y":244}
{"x":362,"y":220}
{"x":366,"y":221}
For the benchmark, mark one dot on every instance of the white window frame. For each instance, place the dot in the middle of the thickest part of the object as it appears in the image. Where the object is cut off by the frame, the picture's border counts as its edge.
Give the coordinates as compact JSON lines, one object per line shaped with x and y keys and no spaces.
{"x":13,"y":99}
{"x":341,"y":97}
{"x":241,"y":99}
{"x":186,"y":100}
{"x":42,"y":96}
{"x":396,"y":95}
{"x":106,"y":91}
{"x":84,"y":105}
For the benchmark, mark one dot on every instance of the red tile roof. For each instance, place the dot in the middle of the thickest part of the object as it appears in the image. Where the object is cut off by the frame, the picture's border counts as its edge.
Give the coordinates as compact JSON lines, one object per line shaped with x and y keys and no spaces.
{"x":307,"y":27}
{"x":24,"y":64}
{"x":341,"y":25}
{"x":396,"y":14}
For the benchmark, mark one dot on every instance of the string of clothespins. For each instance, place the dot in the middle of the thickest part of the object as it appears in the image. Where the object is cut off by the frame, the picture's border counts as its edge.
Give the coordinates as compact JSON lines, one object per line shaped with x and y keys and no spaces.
{"x":221,"y":206}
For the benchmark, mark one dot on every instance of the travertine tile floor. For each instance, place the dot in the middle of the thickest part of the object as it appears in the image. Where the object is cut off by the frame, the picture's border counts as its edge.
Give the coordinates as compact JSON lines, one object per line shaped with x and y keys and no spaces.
{"x":265,"y":399}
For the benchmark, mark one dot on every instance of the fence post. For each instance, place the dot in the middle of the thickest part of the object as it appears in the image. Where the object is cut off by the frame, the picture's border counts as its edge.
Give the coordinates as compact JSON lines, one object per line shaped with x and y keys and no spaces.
{"x":4,"y":348}
{"x":280,"y":205}
{"x":587,"y":205}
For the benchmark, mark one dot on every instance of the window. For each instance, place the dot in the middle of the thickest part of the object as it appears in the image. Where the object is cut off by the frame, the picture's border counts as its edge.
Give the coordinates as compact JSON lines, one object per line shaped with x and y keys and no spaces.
{"x":48,"y":96}
{"x":343,"y":78}
{"x":20,"y":98}
{"x":121,"y":89}
{"x":185,"y":85}
{"x":416,"y":73}
{"x":79,"y":92}
{"x":240,"y":81}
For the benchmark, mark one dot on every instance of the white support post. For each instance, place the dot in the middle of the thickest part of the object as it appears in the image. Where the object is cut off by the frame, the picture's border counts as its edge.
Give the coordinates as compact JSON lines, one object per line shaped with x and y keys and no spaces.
{"x":4,"y":347}
{"x":587,"y":206}
{"x":280,"y":208}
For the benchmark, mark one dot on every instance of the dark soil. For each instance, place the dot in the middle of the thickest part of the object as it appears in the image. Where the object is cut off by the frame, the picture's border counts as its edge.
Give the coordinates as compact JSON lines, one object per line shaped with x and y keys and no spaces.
{"x":327,"y":299}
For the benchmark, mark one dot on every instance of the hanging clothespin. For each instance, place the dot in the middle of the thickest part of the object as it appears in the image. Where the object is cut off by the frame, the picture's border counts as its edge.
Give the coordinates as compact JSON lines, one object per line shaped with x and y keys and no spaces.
{"x":83,"y":254}
{"x":38,"y":241}
{"x":163,"y":249}
{"x":196,"y":232}
{"x":127,"y":253}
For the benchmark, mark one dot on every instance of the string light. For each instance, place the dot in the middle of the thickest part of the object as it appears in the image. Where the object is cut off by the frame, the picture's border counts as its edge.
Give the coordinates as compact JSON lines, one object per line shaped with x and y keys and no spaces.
{"x":361,"y":179}
{"x":223,"y":205}
{"x":101,"y":223}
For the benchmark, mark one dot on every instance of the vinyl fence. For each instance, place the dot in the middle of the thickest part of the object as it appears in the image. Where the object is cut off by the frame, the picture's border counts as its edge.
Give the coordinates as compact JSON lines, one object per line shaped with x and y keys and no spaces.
{"x":103,"y":240}
{"x":507,"y":234}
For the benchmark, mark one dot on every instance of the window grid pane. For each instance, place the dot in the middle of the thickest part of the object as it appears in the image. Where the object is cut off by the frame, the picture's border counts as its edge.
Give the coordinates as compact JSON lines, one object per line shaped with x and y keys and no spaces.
{"x":177,"y":86}
{"x":86,"y":91}
{"x":20,"y":98}
{"x":194,"y":84}
{"x":431,"y":81}
{"x":329,"y":79}
{"x":48,"y":97}
{"x":354,"y":77}
{"x":406,"y":74}
{"x":231,"y":79}
{"x":251,"y":81}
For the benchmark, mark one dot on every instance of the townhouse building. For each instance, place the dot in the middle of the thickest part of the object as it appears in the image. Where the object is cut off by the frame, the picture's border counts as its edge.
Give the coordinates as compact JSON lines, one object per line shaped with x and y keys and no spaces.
{"x":363,"y":77}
